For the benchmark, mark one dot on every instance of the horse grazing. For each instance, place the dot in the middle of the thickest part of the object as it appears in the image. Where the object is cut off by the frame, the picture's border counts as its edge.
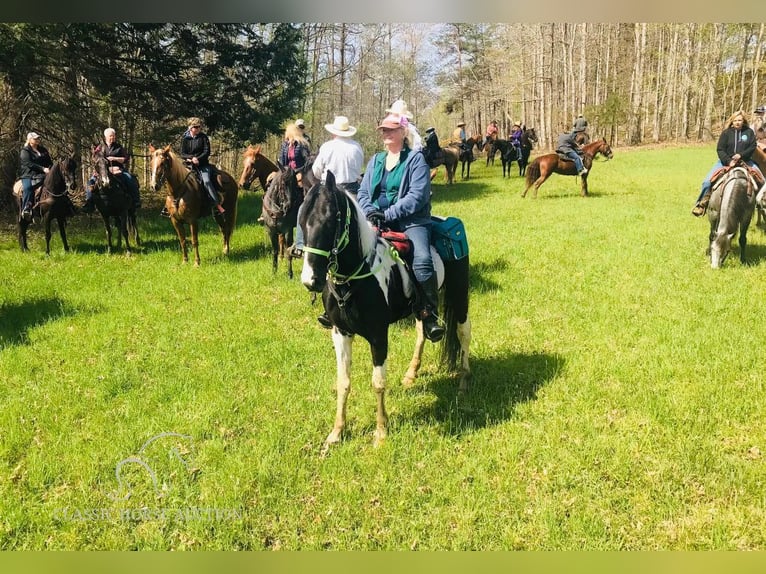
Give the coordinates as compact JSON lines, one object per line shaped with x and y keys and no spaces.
{"x":545,"y":165}
{"x":255,"y":164}
{"x":53,"y":202}
{"x":281,"y":201}
{"x":528,"y":139}
{"x":114,"y":202}
{"x":730,"y":211}
{"x":187,"y":200}
{"x":365,"y":288}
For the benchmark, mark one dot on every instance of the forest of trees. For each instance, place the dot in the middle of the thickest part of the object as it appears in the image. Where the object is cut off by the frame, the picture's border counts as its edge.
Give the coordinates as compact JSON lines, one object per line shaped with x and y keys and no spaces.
{"x":636,"y":82}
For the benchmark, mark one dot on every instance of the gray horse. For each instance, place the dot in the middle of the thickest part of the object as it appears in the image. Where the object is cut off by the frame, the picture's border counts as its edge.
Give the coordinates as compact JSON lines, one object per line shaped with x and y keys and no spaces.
{"x":730,"y":211}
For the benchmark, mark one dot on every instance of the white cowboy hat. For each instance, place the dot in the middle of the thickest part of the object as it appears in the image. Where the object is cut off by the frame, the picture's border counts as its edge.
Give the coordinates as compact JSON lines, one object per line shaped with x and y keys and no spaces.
{"x":340,"y":127}
{"x":300,"y":123}
{"x":399,"y":107}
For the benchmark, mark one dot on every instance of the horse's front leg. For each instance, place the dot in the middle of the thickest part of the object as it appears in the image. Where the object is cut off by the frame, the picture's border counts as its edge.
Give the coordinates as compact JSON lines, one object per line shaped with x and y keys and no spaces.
{"x":194,"y":228}
{"x":124,"y":232}
{"x":62,"y":232}
{"x":181,"y":233}
{"x":47,"y":218}
{"x":342,"y":344}
{"x":379,"y":348}
{"x":276,"y":241}
{"x":412,"y":371}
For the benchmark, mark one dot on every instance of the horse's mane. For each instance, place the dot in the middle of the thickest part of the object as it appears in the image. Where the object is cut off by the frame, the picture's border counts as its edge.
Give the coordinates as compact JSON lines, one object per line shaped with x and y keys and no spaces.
{"x":367,"y":237}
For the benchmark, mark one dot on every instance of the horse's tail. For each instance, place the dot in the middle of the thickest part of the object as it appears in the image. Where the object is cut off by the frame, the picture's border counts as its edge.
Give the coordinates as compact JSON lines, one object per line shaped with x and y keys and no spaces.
{"x":533,"y":172}
{"x":454,"y":309}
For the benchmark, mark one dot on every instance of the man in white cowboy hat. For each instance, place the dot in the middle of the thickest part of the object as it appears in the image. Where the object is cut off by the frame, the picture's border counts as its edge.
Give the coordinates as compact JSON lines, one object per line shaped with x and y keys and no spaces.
{"x":399,"y":109}
{"x":344,"y":157}
{"x":759,"y":125}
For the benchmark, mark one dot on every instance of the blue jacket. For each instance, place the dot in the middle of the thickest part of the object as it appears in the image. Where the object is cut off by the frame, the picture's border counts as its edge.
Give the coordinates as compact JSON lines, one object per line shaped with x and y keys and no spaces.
{"x":412,"y":205}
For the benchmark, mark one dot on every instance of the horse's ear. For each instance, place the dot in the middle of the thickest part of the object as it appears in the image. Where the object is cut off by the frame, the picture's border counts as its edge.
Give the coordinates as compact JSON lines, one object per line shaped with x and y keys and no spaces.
{"x":257,"y":149}
{"x":152,"y":149}
{"x":167,"y":149}
{"x":280,"y":166}
{"x":330,"y":179}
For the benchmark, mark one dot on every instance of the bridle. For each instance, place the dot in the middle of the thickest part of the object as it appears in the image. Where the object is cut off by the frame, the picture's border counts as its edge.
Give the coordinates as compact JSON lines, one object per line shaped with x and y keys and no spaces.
{"x":340,"y":242}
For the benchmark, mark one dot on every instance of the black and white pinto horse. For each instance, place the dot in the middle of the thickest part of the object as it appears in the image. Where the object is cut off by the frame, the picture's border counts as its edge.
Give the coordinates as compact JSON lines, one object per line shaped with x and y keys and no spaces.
{"x":730,"y":211}
{"x":365,"y":287}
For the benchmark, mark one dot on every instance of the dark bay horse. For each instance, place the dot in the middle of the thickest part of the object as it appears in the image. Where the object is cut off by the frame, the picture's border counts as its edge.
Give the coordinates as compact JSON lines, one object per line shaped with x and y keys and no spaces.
{"x":53,"y":202}
{"x":545,"y":165}
{"x":114,"y":202}
{"x":507,"y":153}
{"x":255,"y":164}
{"x":281,"y":201}
{"x":187,"y":201}
{"x":365,"y":289}
{"x":729,"y":212}
{"x":528,"y":139}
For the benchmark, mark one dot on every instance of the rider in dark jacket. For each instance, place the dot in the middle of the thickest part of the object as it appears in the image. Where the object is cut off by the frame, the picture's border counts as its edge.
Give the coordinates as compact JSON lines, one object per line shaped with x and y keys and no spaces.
{"x":736,"y":143}
{"x":569,"y":147}
{"x":35,"y":161}
{"x":195,"y":149}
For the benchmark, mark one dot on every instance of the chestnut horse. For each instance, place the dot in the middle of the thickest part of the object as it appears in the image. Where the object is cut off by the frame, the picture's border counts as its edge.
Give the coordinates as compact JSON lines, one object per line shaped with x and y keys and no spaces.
{"x":545,"y":165}
{"x":255,"y":164}
{"x":187,"y":200}
{"x":53,"y":202}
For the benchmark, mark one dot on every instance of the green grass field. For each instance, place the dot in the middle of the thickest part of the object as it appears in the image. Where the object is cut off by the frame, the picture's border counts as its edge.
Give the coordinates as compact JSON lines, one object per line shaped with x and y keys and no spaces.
{"x":617,"y":398}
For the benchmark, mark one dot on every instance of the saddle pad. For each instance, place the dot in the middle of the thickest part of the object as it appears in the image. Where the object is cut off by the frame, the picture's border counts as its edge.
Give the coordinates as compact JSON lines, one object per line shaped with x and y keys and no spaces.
{"x":399,"y":240}
{"x":449,"y":238}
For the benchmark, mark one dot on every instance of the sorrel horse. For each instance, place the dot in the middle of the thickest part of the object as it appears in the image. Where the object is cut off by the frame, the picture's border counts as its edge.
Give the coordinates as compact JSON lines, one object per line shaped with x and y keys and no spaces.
{"x":365,"y":288}
{"x":545,"y":165}
{"x":187,"y":201}
{"x":730,"y":211}
{"x":53,"y":202}
{"x":115,"y":203}
{"x":255,"y":164}
{"x":281,"y":201}
{"x":449,"y":158}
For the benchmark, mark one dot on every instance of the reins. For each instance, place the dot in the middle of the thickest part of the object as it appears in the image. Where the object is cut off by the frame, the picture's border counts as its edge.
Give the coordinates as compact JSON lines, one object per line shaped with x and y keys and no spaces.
{"x":341,"y":241}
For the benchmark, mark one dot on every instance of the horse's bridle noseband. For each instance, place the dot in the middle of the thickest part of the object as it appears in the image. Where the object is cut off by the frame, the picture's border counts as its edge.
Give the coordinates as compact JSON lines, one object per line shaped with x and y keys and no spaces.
{"x":341,"y":241}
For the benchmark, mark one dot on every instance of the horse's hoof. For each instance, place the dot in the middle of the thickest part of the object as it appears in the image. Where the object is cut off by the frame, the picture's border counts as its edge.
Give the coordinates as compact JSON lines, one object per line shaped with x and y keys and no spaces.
{"x":378,"y":438}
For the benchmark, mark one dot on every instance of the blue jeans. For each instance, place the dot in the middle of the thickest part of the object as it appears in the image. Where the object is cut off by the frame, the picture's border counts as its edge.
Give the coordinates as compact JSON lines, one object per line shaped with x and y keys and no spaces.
{"x":422,"y":264}
{"x":707,"y":186}
{"x":575,"y":157}
{"x":28,"y":196}
{"x":204,"y":172}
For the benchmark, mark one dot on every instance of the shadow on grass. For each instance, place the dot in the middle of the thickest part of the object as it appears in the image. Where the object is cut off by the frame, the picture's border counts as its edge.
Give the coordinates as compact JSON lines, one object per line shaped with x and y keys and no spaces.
{"x":479,"y":278}
{"x":458,"y":191}
{"x":17,"y":319}
{"x":499,"y":384}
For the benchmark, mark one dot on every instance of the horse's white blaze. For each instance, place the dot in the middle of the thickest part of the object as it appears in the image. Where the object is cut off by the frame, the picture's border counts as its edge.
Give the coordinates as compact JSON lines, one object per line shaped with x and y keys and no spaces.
{"x":307,"y":273}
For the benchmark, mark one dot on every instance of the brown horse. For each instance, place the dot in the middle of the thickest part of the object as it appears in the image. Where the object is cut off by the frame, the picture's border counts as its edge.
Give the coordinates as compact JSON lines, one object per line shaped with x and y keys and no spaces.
{"x":255,"y":164}
{"x":543,"y":166}
{"x":449,"y":157}
{"x":52,"y":202}
{"x":114,"y":202}
{"x":187,"y":201}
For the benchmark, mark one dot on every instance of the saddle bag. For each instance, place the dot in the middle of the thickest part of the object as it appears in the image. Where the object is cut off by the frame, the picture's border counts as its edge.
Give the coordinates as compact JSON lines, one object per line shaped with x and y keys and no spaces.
{"x":449,"y":238}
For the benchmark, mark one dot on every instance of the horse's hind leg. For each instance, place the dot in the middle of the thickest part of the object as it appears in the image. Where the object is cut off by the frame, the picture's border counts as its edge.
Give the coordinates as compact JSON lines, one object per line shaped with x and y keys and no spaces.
{"x":342,"y":346}
{"x":412,"y":371}
{"x":195,"y":242}
{"x":464,"y":336}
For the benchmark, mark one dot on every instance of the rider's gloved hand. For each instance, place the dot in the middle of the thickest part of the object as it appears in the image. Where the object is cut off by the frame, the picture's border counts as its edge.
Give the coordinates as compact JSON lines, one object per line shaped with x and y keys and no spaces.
{"x":377,"y":218}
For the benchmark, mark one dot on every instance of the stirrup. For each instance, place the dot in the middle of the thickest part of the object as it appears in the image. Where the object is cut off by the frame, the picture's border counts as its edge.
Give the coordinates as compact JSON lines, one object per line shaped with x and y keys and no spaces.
{"x":324,"y":320}
{"x":699,"y":210}
{"x":295,"y":252}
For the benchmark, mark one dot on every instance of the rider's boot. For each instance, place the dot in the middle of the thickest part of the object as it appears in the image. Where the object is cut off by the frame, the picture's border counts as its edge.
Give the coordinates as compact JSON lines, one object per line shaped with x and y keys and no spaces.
{"x":428,"y":304}
{"x":701,"y":206}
